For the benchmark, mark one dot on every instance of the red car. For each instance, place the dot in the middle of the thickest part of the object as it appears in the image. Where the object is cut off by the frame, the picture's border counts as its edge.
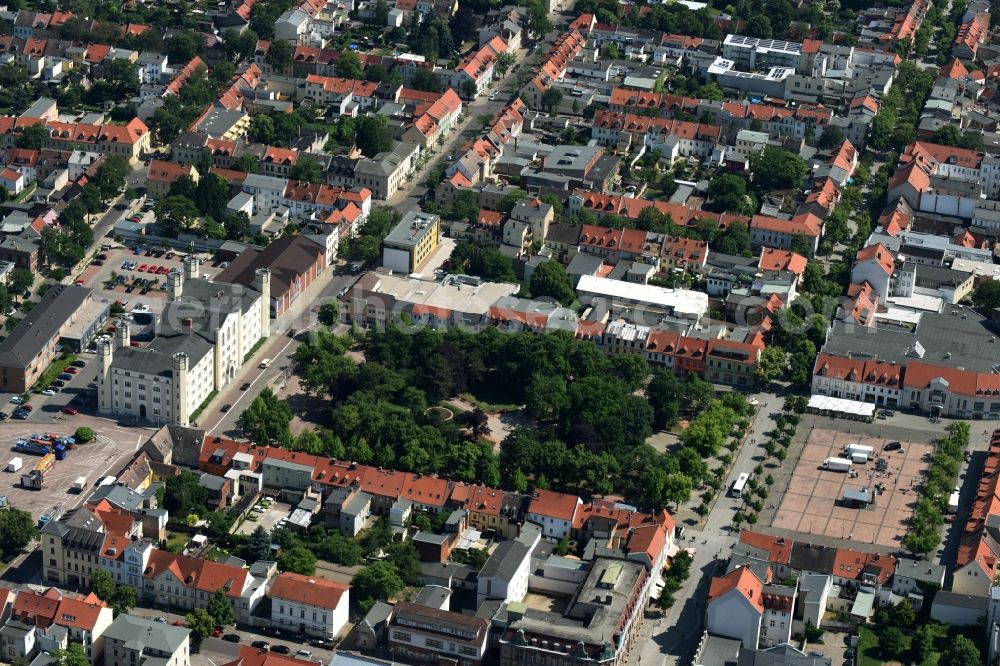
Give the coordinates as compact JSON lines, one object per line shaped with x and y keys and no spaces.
{"x":79,"y":281}
{"x":142,"y":268}
{"x":153,"y":268}
{"x":72,"y":411}
{"x":216,"y":632}
{"x":163,"y":270}
{"x":27,"y":408}
{"x":71,"y":370}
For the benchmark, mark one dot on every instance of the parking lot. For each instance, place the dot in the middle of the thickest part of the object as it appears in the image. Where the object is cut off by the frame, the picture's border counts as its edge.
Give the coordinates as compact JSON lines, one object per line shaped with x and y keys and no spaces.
{"x":142,"y":280}
{"x":266,"y":519}
{"x":813,"y":502}
{"x":92,"y":461}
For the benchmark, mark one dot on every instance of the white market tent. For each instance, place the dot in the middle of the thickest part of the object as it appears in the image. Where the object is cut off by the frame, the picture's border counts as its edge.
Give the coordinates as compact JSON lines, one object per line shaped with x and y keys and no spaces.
{"x":841,"y":408}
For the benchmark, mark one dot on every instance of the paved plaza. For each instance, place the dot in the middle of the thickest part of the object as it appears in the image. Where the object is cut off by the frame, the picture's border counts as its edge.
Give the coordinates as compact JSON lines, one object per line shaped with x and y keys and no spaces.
{"x":813,"y":502}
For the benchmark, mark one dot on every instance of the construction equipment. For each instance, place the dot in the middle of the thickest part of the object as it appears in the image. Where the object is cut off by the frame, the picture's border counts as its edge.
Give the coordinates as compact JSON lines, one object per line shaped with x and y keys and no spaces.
{"x":33,"y":479}
{"x":32,"y":446}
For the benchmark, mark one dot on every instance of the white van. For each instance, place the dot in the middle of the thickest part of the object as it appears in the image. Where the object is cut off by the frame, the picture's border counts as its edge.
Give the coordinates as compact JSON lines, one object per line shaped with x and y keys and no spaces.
{"x":263,"y":364}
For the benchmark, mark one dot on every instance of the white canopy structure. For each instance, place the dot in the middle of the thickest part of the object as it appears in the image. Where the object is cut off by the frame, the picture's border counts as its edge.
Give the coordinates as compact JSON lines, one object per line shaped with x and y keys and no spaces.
{"x":841,"y":408}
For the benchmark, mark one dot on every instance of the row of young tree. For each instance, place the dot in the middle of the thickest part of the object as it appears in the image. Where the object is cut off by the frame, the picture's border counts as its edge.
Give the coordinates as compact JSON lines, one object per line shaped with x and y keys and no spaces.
{"x":924,"y":534}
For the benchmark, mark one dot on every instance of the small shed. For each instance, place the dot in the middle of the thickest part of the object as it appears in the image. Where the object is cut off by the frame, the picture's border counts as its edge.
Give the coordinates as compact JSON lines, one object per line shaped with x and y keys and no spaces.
{"x":859,"y":498}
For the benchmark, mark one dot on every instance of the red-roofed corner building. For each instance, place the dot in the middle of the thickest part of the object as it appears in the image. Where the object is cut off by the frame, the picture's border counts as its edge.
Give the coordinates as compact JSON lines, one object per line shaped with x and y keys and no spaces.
{"x":160,"y":176}
{"x":477,"y":69}
{"x":736,"y":607}
{"x":185,"y":583}
{"x":554,"y":512}
{"x":971,"y":34}
{"x":782,"y":260}
{"x":308,"y":605}
{"x":41,"y":618}
{"x":874,"y":264}
{"x":766,"y":231}
{"x":12,"y":180}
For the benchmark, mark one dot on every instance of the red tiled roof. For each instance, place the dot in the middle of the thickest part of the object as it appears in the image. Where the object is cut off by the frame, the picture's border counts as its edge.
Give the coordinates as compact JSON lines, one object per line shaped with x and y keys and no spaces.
{"x":911,"y":174}
{"x":167,"y":172}
{"x":779,"y":549}
{"x":307,"y":590}
{"x":772,"y":259}
{"x":806,"y":224}
{"x":554,"y":505}
{"x":953,"y":70}
{"x":742,"y":580}
{"x":196,"y":573}
{"x":250,"y":656}
{"x":880,"y":254}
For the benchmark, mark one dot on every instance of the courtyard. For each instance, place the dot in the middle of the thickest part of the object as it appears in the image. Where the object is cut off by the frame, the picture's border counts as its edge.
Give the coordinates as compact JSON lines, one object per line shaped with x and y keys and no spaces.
{"x":813,"y":502}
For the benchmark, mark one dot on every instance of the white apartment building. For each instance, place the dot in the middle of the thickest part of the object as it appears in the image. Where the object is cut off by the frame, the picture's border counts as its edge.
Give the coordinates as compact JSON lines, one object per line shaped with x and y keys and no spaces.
{"x":309,"y":605}
{"x":206,"y":330}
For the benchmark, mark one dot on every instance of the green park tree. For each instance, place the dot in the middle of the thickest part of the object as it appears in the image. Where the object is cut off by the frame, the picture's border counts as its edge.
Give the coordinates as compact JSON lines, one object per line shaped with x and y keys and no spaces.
{"x":201,"y":625}
{"x":378,"y":581}
{"x":73,"y":654}
{"x":266,"y":420}
{"x":550,"y":280}
{"x":220,"y":609}
{"x":17,"y":530}
{"x":961,"y":652}
{"x":777,"y":169}
{"x":298,"y":559}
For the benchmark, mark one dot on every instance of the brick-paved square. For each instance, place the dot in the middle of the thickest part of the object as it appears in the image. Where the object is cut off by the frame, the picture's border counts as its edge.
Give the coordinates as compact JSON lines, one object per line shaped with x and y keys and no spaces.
{"x":813,"y":503}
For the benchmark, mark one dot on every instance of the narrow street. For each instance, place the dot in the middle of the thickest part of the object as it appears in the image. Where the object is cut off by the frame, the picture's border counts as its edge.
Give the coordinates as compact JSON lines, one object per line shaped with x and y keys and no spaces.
{"x":671,"y":640}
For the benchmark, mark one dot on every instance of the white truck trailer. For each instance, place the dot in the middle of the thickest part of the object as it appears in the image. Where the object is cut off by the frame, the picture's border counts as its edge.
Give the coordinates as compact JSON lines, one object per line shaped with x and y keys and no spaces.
{"x":837,"y":464}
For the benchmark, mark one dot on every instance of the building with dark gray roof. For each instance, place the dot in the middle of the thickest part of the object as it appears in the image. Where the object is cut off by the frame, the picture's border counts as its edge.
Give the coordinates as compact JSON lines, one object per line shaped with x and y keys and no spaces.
{"x":132,"y":640}
{"x":35,"y":342}
{"x":781,"y":655}
{"x":506,"y":572}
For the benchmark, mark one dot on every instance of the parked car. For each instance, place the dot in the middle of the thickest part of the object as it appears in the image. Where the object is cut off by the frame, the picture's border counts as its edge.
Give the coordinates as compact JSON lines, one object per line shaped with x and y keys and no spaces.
{"x":226,"y":407}
{"x":72,"y":411}
{"x":66,"y":377}
{"x":160,"y":619}
{"x":17,"y":400}
{"x":893,"y":446}
{"x":27,"y":408}
{"x":4,"y":416}
{"x":60,"y":383}
{"x":71,"y":370}
{"x":246,"y":386}
{"x":303,"y":654}
{"x":48,"y":392}
{"x":260,"y":645}
{"x":280,"y":649}
{"x":20,"y":414}
{"x":231,"y":638}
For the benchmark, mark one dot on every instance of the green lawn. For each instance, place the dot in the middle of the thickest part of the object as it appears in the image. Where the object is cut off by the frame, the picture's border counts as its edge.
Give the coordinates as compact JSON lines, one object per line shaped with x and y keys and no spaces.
{"x":176,"y":541}
{"x":868,"y":648}
{"x":491,"y":399}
